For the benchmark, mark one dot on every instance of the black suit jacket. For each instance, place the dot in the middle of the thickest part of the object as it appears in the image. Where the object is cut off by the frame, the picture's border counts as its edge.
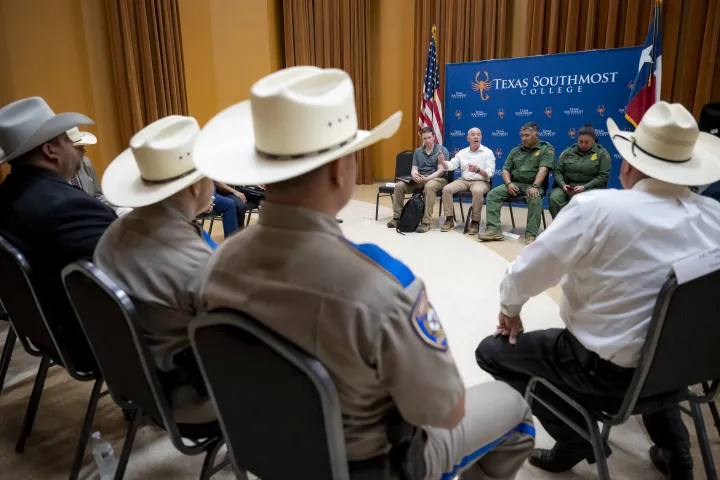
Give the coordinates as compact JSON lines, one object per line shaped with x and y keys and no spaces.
{"x":52,"y":223}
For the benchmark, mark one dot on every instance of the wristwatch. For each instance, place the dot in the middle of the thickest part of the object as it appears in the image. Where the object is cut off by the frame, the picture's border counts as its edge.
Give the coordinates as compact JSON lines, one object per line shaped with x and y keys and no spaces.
{"x":535,"y":185}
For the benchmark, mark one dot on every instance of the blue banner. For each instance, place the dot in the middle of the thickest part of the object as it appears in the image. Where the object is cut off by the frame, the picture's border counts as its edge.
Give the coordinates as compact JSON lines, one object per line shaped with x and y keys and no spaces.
{"x":559,"y":92}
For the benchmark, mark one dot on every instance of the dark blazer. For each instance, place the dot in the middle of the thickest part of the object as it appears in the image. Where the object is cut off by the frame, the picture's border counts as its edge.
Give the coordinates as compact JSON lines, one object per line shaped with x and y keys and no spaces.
{"x":53,"y":224}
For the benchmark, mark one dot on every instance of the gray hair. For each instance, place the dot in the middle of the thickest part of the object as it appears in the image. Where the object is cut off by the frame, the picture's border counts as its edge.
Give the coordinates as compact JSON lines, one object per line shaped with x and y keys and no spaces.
{"x":473,"y":128}
{"x":530,"y":126}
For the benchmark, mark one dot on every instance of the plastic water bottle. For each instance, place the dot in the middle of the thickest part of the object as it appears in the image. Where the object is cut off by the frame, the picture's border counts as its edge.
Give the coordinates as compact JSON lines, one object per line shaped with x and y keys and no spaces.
{"x":104,"y":457}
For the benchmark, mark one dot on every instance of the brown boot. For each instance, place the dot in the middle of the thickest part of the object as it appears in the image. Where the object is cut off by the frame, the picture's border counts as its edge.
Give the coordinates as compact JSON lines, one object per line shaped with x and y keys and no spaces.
{"x":490,"y":235}
{"x":424,"y":227}
{"x":529,"y":239}
{"x":448,"y":225}
{"x":474,"y":228}
{"x":392,"y":223}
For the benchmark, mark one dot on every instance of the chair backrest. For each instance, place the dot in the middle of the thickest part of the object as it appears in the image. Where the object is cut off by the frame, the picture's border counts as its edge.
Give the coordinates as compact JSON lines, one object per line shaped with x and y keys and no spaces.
{"x":277,"y":406}
{"x":403,"y":164}
{"x":110,"y":322}
{"x":681,"y":348}
{"x":25,"y":309}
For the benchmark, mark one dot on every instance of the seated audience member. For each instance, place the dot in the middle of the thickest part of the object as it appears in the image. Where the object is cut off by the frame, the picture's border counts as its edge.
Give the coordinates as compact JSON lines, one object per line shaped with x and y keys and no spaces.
{"x":710,"y":123}
{"x":603,"y":243}
{"x":581,"y":167}
{"x":155,"y":252}
{"x":426,"y":173}
{"x":525,"y":168}
{"x":477,"y":163}
{"x":364,"y":315}
{"x":48,"y":220}
{"x":86,"y":177}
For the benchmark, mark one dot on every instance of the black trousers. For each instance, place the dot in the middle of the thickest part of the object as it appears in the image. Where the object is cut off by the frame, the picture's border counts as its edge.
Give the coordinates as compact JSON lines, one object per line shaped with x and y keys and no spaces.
{"x":557,"y":356}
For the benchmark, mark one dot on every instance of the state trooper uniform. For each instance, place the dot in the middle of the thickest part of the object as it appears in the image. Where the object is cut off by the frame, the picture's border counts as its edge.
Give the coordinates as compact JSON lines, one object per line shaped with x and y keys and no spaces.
{"x":370,"y":321}
{"x":590,"y":169}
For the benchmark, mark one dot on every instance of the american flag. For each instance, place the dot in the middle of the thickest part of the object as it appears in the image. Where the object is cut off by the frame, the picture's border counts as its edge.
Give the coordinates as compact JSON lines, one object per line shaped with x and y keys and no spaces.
{"x":430,"y":108}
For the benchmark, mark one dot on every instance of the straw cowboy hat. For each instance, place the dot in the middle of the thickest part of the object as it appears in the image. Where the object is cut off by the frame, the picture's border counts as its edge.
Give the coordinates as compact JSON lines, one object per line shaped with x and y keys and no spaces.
{"x":297,"y":119}
{"x":81,"y":138}
{"x":667,"y":145}
{"x":158,"y":164}
{"x":30,"y":122}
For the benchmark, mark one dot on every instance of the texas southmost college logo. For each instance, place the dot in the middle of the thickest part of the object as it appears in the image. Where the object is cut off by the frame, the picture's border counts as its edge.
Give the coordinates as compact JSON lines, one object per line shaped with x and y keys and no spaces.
{"x":501,"y":113}
{"x":601,"y":110}
{"x":571,"y":133}
{"x":548,"y":111}
{"x":458,"y":114}
{"x":481,"y":86}
{"x":498,"y":152}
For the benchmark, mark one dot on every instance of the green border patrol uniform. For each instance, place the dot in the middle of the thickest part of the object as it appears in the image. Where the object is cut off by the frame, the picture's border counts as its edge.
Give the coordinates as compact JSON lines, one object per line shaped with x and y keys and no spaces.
{"x":523,"y":165}
{"x":575,"y":168}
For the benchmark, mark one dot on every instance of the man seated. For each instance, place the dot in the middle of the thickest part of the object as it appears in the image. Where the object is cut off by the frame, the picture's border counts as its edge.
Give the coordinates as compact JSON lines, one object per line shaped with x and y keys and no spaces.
{"x":614,"y":249}
{"x":477,"y":163}
{"x":426,"y":173}
{"x":524,"y":171}
{"x":155,"y":252}
{"x":86,"y":177}
{"x":360,"y":312}
{"x":48,"y":220}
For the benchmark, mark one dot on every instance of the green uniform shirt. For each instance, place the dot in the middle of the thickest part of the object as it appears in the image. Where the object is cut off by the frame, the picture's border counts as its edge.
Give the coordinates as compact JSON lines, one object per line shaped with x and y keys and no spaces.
{"x":590,"y":169}
{"x":524,"y":163}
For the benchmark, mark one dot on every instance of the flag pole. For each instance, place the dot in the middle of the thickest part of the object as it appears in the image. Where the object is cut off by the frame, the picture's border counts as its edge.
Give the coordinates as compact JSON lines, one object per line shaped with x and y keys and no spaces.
{"x":432,"y":119}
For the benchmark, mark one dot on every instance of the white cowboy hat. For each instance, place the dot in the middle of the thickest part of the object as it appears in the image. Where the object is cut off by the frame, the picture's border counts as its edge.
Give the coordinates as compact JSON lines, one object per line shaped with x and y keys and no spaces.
{"x":30,"y":122}
{"x":667,"y":145}
{"x":297,"y":119}
{"x":81,"y":138}
{"x":158,"y":164}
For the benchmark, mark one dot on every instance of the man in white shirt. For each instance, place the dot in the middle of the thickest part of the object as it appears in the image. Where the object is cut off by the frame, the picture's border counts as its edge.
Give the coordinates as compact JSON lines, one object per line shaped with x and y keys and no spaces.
{"x":612,"y":251}
{"x":477,"y":163}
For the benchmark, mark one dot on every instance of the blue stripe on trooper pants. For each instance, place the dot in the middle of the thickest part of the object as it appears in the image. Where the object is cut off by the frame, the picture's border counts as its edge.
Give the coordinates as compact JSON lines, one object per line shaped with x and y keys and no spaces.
{"x":468,"y":459}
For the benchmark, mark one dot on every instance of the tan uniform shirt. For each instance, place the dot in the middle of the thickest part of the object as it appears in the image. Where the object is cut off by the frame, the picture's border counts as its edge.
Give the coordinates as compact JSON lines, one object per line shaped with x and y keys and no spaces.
{"x":155,"y":254}
{"x":360,"y":312}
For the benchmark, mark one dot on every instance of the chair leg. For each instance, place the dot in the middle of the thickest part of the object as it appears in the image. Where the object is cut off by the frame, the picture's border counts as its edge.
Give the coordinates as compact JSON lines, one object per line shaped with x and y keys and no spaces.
{"x":713,"y":409}
{"x":212,"y":220}
{"x":542,"y":214}
{"x":207,"y":468}
{"x":128,"y":445}
{"x":377,"y":206}
{"x":33,"y":404}
{"x":467,"y":222}
{"x":462,"y":212}
{"x":605,"y":433}
{"x":703,"y":441}
{"x":7,"y":352}
{"x":512,"y":217}
{"x":85,"y":431}
{"x":596,"y":438}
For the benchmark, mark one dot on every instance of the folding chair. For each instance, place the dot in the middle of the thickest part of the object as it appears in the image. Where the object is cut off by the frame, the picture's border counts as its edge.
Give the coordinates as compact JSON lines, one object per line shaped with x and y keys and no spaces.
{"x":42,"y":338}
{"x":403,"y":168}
{"x":680,"y":350}
{"x":212,"y":216}
{"x":110,"y":322}
{"x":258,"y":382}
{"x":8,"y":347}
{"x":547,"y":186}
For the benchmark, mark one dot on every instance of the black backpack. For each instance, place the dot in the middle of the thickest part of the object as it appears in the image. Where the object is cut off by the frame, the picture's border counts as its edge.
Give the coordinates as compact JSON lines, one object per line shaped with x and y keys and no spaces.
{"x":412,"y":214}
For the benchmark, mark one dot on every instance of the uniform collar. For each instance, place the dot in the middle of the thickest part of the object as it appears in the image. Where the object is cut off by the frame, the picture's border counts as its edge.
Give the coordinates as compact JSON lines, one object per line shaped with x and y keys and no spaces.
{"x":297,"y":218}
{"x":537,"y":145}
{"x":593,"y":149}
{"x":661,"y":189}
{"x":169,"y":207}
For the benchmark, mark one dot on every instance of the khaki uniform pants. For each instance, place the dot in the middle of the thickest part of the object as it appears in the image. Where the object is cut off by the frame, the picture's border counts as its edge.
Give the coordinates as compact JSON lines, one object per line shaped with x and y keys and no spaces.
{"x":479,"y":189}
{"x":429,"y":194}
{"x":491,"y":442}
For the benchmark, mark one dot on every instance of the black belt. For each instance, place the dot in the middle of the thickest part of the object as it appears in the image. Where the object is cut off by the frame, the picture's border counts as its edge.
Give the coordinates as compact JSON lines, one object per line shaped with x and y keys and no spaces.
{"x":593,"y":362}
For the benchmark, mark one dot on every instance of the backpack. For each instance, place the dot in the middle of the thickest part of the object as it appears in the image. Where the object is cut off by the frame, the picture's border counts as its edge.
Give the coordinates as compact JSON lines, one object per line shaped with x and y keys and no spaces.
{"x":412,"y":214}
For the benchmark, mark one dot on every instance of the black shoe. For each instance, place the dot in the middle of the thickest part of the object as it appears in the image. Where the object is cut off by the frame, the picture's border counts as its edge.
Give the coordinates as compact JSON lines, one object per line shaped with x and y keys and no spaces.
{"x":675,"y":465}
{"x":564,"y":456}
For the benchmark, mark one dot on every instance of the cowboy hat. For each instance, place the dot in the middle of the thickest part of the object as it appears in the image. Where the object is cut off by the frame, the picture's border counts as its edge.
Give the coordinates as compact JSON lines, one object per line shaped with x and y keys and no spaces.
{"x":297,"y":119}
{"x":158,"y":164}
{"x":30,"y":122}
{"x":667,"y":145}
{"x":81,"y":138}
{"x":710,"y":119}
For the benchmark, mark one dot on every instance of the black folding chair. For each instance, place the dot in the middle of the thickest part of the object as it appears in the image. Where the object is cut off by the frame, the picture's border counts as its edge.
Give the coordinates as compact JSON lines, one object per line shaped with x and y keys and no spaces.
{"x":680,"y":350}
{"x":403,"y":168}
{"x":111,"y":324}
{"x":271,"y":397}
{"x":212,"y":216}
{"x":522,"y":199}
{"x":8,"y":347}
{"x":42,"y":338}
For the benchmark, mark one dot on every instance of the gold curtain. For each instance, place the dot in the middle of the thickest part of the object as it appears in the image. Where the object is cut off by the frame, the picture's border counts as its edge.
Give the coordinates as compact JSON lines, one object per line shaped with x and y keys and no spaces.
{"x":146,"y":47}
{"x":690,"y":29}
{"x":332,"y":34}
{"x":467,"y":31}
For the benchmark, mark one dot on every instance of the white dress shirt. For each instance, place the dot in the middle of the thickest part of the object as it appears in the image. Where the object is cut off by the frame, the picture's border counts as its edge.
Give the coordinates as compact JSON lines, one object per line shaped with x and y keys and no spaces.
{"x":612,"y":251}
{"x":483,"y":158}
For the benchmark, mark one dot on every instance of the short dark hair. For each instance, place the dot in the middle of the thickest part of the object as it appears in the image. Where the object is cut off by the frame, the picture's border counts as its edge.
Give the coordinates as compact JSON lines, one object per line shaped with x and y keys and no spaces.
{"x":426,"y":130}
{"x":530,"y":126}
{"x":28,"y":155}
{"x":587,"y":129}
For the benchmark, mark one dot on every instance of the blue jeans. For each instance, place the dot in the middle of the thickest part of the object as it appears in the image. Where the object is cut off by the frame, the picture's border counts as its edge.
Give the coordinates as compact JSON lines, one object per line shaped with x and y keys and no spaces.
{"x":226,"y":208}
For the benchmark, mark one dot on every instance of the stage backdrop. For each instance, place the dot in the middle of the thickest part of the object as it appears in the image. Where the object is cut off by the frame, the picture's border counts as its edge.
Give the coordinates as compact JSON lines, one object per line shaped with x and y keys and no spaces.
{"x":559,"y":92}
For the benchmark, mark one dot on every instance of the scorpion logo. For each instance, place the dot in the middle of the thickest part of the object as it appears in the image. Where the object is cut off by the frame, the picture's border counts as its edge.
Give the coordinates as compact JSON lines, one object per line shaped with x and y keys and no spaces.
{"x":571,"y":133}
{"x":458,"y":114}
{"x":601,"y":110}
{"x":548,"y":111}
{"x":501,"y":112}
{"x":498,"y":152}
{"x":481,"y":85}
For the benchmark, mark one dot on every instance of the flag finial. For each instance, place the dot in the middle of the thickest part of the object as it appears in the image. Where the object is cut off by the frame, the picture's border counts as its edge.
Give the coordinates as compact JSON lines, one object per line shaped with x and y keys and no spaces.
{"x":434,"y":30}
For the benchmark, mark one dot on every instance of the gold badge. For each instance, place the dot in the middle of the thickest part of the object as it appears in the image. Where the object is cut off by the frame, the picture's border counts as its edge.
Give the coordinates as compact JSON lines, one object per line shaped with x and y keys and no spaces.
{"x":594,"y":156}
{"x":537,"y":154}
{"x":427,"y":324}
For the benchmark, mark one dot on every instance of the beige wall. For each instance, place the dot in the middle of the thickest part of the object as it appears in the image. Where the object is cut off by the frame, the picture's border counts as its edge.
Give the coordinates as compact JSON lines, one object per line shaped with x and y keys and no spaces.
{"x":59,"y":50}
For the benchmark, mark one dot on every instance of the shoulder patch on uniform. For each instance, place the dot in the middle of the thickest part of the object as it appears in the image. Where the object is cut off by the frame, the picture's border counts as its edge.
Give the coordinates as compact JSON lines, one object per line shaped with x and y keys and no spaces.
{"x":391,"y":265}
{"x":426,"y":323}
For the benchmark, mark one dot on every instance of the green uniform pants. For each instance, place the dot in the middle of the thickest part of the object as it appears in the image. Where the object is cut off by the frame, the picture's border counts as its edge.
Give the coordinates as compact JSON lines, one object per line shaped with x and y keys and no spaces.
{"x":557,"y":201}
{"x":500,"y":194}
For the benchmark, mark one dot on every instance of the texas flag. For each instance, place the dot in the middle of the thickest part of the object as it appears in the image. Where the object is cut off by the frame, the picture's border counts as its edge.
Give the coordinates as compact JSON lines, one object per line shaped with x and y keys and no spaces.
{"x":646,"y":88}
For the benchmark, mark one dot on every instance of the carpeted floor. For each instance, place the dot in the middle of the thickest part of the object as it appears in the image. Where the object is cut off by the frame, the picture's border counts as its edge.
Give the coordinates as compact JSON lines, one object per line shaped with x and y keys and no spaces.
{"x":462,"y":277}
